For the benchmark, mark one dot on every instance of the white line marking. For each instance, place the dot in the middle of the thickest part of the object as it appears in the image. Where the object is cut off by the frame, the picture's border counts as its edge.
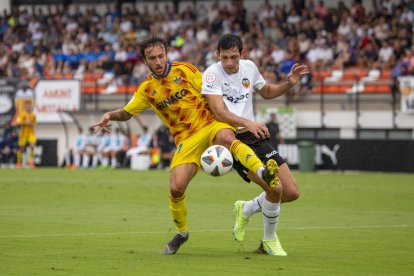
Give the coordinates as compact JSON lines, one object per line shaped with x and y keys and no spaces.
{"x":201,"y":231}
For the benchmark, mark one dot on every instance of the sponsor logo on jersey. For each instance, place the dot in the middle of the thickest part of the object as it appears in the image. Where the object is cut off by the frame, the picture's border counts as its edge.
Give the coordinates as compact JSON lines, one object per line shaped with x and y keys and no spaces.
{"x":268,"y":155}
{"x":240,"y":99}
{"x":246,"y":83}
{"x":154,"y":93}
{"x":177,"y":79}
{"x":173,"y":98}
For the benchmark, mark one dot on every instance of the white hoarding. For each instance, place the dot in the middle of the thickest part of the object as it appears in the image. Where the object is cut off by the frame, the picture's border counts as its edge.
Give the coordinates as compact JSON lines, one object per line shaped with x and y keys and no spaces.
{"x":57,"y":95}
{"x":406,"y":85}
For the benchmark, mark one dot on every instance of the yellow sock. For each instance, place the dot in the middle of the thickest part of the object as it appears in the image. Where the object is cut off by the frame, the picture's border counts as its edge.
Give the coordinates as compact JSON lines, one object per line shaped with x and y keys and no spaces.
{"x":246,"y":156}
{"x":30,"y":158}
{"x":178,"y":208}
{"x":19,"y":157}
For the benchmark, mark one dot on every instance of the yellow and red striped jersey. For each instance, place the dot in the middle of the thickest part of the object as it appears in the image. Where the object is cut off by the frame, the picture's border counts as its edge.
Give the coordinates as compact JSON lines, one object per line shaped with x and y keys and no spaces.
{"x":176,"y":99}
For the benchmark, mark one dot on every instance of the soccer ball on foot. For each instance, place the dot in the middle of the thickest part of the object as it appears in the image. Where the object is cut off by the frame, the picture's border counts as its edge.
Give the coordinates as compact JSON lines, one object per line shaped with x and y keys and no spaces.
{"x":216,"y":160}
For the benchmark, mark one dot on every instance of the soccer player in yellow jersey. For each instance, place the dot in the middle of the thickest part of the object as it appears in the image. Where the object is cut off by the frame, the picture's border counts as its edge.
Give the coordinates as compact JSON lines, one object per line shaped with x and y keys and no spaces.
{"x":173,"y":92}
{"x":26,"y":120}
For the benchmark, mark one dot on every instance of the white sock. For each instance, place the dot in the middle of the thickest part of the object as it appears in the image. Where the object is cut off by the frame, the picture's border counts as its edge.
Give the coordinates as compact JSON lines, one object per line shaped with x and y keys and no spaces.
{"x":85,"y":160}
{"x":270,"y":213}
{"x":105,"y":161}
{"x":253,"y":206}
{"x":77,"y":159}
{"x":95,"y":159}
{"x":113,"y":162}
{"x":66,"y":156}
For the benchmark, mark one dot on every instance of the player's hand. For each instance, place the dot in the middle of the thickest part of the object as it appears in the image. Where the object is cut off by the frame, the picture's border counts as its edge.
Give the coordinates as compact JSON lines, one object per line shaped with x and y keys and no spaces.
{"x":258,"y":129}
{"x":103,"y":124}
{"x":296,"y":72}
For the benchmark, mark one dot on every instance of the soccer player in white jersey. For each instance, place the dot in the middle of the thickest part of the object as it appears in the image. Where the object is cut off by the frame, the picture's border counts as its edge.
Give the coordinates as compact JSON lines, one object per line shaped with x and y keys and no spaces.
{"x":173,"y":92}
{"x":77,"y":150}
{"x":229,"y":85}
{"x":102,"y":150}
{"x":90,"y":147}
{"x":117,"y":143}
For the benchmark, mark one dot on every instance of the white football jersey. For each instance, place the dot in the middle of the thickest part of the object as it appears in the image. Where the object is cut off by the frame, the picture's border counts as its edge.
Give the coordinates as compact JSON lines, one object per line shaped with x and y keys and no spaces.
{"x":237,"y":89}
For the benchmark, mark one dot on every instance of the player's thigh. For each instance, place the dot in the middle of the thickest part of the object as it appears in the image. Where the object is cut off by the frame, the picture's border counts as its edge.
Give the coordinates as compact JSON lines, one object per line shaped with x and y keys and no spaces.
{"x":23,"y":141}
{"x":191,"y":148}
{"x":32,"y":139}
{"x":224,"y":137}
{"x":180,"y":177}
{"x":221,"y":133}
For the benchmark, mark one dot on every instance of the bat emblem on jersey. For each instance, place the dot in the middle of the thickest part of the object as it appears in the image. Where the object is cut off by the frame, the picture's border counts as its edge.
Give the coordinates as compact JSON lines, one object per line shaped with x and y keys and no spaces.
{"x":246,"y":83}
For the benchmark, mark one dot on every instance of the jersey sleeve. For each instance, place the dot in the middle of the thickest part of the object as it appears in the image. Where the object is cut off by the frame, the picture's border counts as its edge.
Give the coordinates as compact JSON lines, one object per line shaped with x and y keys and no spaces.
{"x":196,"y":79}
{"x":138,"y":103}
{"x":211,"y":83}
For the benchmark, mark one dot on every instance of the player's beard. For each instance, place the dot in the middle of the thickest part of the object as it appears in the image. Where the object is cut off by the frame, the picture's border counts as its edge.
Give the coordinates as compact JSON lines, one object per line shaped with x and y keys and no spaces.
{"x":160,"y":71}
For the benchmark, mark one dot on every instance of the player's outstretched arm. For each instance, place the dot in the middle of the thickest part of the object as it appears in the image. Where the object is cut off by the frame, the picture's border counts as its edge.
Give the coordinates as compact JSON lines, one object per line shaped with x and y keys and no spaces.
{"x":116,"y":115}
{"x":271,"y":91}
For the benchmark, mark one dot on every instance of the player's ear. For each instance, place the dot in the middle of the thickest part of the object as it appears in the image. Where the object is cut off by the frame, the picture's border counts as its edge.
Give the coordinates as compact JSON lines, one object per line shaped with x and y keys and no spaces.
{"x":218,"y":54}
{"x":243,"y":53}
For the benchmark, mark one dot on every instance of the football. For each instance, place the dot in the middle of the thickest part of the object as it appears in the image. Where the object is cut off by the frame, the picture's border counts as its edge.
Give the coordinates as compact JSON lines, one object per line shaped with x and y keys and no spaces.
{"x":216,"y":160}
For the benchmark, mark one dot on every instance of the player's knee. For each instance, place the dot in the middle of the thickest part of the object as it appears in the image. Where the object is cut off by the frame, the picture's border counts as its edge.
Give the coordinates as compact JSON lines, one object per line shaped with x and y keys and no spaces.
{"x":225,"y":137}
{"x":176,"y":191}
{"x":290,"y":195}
{"x":274,"y":193}
{"x":295,"y":194}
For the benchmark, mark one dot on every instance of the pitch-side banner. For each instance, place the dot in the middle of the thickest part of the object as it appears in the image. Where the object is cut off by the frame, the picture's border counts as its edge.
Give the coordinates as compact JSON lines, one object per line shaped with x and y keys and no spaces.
{"x":406,"y":85}
{"x":6,"y":102}
{"x":53,"y":96}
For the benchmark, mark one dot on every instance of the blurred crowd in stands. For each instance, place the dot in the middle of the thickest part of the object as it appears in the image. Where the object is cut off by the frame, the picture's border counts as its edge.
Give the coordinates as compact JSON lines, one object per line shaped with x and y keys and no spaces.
{"x":39,"y":44}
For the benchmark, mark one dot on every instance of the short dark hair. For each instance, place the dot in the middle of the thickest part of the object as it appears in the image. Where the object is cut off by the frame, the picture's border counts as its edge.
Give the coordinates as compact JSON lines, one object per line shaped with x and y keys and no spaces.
{"x":150,"y":41}
{"x":229,"y":41}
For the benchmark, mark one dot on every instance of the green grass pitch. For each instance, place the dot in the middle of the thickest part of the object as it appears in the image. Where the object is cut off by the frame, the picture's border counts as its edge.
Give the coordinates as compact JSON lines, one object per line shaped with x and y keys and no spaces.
{"x":116,"y":222}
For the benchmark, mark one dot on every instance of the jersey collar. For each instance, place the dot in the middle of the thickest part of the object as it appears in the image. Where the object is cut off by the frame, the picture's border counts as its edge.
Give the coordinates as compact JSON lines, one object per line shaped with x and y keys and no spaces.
{"x":166,"y":73}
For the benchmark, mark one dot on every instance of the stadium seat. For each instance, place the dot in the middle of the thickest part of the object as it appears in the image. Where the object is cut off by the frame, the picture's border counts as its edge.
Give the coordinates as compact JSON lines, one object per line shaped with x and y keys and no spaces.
{"x":321,"y":75}
{"x":372,"y":75}
{"x":121,"y":89}
{"x":357,"y":87}
{"x":68,"y":75}
{"x":354,"y":74}
{"x":345,"y":88}
{"x":132,"y":88}
{"x":383,"y":88}
{"x":370,"y":88}
{"x":385,"y":75}
{"x":335,"y":76}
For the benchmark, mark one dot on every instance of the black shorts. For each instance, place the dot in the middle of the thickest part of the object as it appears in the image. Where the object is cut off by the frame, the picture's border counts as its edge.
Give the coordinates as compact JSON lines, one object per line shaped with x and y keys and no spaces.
{"x":263,"y":149}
